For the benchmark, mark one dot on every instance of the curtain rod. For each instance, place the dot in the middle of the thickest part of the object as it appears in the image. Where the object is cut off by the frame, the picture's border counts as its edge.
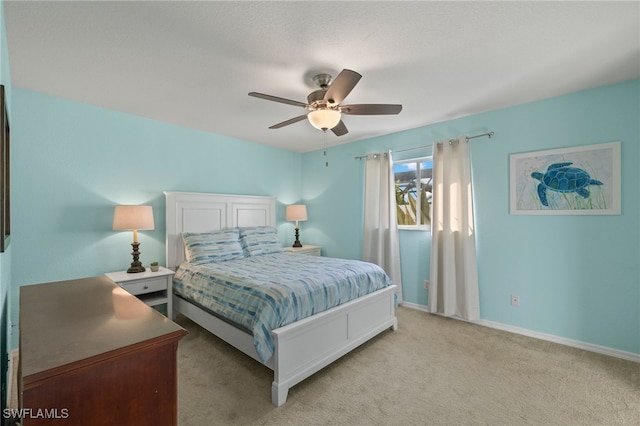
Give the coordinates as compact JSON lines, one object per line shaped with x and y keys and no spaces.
{"x":488,"y":134}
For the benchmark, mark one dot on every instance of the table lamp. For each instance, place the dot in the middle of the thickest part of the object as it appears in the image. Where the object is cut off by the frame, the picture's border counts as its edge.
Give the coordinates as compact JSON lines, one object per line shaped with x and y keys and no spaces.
{"x":133,"y":218}
{"x":297,"y":212}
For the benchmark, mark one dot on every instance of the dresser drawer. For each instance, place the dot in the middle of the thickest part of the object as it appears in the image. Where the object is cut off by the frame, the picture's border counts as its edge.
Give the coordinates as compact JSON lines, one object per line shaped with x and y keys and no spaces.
{"x":145,"y":286}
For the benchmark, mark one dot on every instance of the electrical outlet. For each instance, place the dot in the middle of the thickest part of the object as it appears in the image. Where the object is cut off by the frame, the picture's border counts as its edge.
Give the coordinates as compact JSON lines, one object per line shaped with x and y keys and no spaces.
{"x":426,"y":284}
{"x":515,"y":300}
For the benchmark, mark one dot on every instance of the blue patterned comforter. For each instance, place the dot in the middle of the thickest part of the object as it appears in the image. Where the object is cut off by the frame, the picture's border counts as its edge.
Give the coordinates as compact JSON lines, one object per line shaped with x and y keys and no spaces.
{"x":262,"y":293}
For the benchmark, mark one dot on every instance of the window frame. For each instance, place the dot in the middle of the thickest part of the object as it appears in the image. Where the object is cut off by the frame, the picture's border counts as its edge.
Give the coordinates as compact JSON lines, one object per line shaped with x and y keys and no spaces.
{"x":416,"y":161}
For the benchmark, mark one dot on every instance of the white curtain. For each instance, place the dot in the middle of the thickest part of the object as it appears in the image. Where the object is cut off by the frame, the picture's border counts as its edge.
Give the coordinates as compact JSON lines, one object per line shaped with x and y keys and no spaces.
{"x":380,"y":241}
{"x":453,"y":286}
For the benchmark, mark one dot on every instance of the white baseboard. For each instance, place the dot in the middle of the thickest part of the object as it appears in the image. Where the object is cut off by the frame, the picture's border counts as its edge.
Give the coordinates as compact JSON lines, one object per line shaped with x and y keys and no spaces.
{"x":630,"y":356}
{"x":562,"y":340}
{"x":414,"y":306}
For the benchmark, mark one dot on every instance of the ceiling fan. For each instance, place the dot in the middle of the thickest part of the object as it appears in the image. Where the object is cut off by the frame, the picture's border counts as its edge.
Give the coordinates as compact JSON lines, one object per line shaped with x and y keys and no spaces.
{"x":325,"y":111}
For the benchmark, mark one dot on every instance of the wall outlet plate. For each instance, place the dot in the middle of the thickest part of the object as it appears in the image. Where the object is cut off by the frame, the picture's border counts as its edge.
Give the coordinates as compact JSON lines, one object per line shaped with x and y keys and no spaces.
{"x":515,"y":300}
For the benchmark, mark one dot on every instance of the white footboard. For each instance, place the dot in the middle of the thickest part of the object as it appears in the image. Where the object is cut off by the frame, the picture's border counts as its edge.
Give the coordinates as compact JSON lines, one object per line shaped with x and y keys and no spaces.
{"x":308,"y":345}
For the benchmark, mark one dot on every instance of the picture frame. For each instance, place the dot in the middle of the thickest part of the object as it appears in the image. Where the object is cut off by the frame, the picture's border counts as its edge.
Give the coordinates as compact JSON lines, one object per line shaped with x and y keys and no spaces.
{"x":5,"y":174}
{"x":582,"y":180}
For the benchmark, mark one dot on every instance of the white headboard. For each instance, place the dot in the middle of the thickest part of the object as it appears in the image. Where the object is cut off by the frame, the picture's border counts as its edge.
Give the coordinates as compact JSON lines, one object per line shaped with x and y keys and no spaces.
{"x":201,"y":212}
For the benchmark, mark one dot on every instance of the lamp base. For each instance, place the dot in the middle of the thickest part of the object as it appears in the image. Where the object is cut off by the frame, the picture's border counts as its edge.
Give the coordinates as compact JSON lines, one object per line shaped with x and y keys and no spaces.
{"x":135,"y":268}
{"x":136,"y":265}
{"x":297,"y":243}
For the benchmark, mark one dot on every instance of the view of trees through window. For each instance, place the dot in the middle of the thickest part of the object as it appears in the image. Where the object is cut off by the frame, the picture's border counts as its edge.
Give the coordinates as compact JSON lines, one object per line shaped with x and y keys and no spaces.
{"x":414,"y":189}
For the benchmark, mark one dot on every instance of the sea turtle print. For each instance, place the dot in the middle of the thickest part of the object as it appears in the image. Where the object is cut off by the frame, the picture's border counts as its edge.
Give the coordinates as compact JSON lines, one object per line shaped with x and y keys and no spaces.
{"x":562,"y":178}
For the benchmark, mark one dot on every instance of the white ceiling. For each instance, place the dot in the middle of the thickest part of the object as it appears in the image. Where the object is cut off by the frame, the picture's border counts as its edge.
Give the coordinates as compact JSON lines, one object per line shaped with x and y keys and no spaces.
{"x":193,"y":63}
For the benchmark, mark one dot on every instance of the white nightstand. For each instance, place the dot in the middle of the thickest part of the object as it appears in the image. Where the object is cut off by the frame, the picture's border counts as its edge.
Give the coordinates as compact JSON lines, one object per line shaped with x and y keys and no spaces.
{"x":153,"y":288}
{"x":305,"y":249}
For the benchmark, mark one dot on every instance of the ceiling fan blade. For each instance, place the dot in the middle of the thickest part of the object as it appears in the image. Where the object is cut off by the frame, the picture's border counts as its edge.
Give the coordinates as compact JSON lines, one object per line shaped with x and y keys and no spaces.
{"x":370,"y":109}
{"x":342,"y":86}
{"x":340,"y":129}
{"x":277,"y":99}
{"x":290,"y":121}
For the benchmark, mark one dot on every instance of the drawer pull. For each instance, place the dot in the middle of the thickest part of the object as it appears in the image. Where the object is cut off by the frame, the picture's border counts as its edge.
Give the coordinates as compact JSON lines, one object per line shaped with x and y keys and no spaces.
{"x":146,"y":287}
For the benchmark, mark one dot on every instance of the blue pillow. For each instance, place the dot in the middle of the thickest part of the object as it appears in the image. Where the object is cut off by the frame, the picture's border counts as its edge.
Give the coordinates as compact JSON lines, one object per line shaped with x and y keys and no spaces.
{"x":212,"y":246}
{"x":259,"y":240}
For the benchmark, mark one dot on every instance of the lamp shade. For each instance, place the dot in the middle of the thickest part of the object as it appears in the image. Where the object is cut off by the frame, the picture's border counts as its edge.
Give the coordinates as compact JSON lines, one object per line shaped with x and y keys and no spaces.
{"x":296,"y":212}
{"x":127,"y":218}
{"x":324,"y":119}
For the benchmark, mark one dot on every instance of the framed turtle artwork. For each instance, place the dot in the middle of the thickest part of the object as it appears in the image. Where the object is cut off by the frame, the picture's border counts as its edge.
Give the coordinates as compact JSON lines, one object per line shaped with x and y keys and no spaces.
{"x":583,"y":180}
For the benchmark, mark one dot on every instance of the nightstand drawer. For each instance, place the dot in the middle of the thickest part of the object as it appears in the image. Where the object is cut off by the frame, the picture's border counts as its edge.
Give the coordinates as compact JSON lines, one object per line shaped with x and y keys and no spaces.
{"x":153,"y":288}
{"x":145,"y":286}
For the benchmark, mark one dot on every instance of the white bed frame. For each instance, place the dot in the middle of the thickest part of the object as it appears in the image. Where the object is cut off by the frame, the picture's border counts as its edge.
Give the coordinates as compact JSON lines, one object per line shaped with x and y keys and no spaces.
{"x":301,"y":348}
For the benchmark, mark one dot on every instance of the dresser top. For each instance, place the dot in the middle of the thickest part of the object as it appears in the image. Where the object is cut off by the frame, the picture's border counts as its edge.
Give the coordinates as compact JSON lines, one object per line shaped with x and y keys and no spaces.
{"x":80,"y":321}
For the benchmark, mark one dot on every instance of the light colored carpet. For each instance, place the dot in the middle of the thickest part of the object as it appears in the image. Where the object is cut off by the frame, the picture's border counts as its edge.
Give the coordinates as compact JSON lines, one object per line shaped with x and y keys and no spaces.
{"x":432,"y":370}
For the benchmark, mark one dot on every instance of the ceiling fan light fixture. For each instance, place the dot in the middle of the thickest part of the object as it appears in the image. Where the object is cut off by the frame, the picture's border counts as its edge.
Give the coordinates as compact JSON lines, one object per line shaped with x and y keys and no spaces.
{"x":325,"y":104}
{"x":324,"y":119}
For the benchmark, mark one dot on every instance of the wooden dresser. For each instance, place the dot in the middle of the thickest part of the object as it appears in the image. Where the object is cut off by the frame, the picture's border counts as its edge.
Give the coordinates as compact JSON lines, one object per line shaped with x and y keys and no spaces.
{"x":92,"y":354}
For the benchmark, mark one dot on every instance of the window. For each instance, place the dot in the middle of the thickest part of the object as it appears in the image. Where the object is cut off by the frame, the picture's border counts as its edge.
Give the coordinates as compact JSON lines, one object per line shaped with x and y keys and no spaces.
{"x":414,"y":189}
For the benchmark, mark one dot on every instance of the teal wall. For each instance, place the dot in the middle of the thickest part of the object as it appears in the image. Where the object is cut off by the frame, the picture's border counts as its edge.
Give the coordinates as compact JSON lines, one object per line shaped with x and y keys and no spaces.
{"x":577,"y":276}
{"x":74,"y":162}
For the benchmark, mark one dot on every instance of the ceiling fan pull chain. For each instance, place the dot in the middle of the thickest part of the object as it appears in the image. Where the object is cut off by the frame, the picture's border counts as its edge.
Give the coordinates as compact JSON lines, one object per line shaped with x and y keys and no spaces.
{"x":326,"y":159}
